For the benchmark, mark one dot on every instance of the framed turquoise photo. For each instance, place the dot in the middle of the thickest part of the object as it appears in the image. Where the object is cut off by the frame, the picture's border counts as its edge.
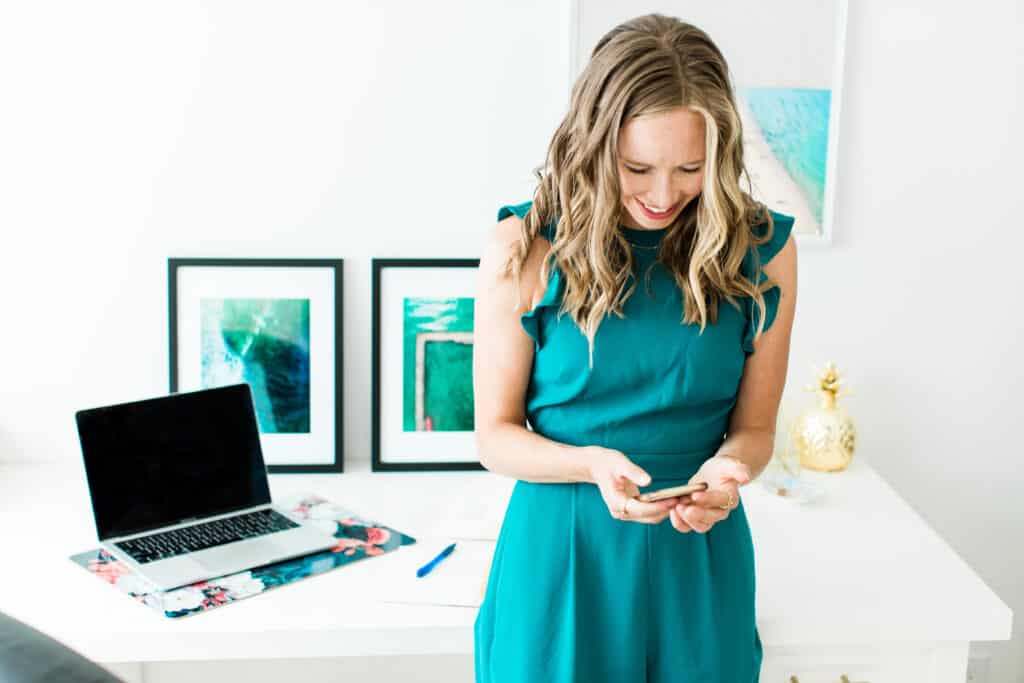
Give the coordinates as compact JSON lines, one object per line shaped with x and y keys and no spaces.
{"x":422,"y":382}
{"x":785,"y":60}
{"x":275,"y":324}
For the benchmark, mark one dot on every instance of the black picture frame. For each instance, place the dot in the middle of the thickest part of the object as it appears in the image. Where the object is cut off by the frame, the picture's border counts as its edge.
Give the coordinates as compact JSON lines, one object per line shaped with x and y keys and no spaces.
{"x":333,"y":418}
{"x":379,"y":458}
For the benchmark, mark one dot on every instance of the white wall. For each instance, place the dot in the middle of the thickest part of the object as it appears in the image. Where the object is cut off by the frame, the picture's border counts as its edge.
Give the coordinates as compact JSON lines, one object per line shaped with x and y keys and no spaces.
{"x":141,"y":131}
{"x":131,"y":132}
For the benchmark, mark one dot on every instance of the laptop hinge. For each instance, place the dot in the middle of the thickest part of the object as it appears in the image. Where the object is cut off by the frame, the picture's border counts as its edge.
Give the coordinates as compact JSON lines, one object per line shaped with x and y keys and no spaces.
{"x":185,"y":523}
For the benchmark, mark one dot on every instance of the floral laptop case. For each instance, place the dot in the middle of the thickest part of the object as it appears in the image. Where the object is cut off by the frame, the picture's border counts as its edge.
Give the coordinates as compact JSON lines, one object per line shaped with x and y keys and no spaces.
{"x":358,"y":538}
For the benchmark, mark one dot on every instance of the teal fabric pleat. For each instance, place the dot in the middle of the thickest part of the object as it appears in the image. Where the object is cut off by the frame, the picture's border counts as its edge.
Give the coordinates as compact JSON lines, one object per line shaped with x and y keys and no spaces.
{"x":577,"y":595}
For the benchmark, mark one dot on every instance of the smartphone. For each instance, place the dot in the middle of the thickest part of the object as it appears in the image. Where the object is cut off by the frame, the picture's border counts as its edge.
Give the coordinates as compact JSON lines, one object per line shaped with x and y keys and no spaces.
{"x":671,"y":492}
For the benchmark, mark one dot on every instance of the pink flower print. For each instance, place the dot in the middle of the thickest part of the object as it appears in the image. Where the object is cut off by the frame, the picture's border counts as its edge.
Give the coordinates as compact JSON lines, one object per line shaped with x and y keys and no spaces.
{"x":347,"y":545}
{"x":108,"y":571}
{"x":377,"y":536}
{"x":214,"y":597}
{"x":306,"y":505}
{"x":374,"y":550}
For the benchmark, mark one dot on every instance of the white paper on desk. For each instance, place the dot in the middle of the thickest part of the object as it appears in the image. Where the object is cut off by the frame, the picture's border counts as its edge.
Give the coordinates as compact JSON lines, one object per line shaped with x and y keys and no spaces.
{"x":476,"y":516}
{"x":457,"y":580}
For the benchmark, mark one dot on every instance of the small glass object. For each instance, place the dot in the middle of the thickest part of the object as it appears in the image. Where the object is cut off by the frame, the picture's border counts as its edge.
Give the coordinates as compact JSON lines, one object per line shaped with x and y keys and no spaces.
{"x":782,"y":476}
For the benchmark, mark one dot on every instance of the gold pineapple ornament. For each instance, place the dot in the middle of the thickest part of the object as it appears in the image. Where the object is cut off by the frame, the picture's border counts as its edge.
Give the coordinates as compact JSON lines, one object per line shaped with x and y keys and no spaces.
{"x":825,"y":437}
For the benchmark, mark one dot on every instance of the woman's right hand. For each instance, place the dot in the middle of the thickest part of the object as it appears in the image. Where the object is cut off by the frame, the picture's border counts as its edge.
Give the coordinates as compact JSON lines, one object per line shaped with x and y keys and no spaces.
{"x":619,"y":479}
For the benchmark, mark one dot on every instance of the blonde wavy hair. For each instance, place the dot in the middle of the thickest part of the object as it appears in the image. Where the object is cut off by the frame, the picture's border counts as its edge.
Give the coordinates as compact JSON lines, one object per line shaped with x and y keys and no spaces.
{"x":647,"y":65}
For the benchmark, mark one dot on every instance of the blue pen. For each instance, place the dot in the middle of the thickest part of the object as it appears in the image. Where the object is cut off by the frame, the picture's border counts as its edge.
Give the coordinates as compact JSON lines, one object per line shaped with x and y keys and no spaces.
{"x":425,"y":569}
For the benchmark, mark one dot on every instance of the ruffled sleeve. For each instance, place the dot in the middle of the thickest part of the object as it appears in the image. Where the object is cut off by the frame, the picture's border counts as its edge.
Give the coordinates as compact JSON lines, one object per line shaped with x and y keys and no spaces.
{"x":519,"y":210}
{"x":753,"y":265}
{"x":531,"y":320}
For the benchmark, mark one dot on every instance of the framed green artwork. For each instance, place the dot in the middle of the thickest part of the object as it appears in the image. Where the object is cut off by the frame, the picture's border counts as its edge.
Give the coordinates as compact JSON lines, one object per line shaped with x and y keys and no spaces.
{"x":275,"y":324}
{"x":422,"y":400}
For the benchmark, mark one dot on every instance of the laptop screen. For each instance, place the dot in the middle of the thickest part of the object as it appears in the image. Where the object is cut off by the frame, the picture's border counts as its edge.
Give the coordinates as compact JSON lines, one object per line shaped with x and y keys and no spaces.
{"x":167,"y":460}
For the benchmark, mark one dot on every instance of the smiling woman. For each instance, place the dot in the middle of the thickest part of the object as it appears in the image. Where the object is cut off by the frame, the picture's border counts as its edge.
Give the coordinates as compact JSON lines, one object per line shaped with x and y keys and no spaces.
{"x":642,"y":270}
{"x":653,"y":193}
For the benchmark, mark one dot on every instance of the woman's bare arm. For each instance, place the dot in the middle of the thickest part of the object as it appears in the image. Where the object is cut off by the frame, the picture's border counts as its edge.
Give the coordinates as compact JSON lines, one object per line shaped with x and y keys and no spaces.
{"x":502,"y":363}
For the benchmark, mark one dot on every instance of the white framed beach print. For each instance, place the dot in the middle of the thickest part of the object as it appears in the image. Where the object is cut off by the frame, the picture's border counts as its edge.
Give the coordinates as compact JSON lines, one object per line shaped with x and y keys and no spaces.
{"x":786,"y":62}
{"x":276,"y":325}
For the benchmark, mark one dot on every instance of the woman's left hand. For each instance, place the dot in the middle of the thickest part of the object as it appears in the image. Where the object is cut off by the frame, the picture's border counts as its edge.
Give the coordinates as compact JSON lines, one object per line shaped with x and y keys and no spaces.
{"x":700,"y":511}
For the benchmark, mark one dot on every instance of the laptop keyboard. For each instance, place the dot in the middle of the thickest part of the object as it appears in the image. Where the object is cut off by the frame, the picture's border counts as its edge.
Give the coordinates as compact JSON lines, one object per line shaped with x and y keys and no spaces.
{"x":206,"y":535}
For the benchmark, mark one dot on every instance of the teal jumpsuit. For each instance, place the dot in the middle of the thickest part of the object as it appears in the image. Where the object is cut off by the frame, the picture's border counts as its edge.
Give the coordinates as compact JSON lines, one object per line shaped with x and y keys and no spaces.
{"x":574,"y":594}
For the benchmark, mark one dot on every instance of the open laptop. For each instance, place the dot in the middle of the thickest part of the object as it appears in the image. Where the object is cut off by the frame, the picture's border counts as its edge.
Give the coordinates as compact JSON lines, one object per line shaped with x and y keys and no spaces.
{"x":179,"y":487}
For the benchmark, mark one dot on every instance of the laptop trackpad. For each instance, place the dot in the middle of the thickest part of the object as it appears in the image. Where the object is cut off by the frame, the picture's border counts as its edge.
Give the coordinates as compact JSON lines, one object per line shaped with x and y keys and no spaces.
{"x":243,"y":555}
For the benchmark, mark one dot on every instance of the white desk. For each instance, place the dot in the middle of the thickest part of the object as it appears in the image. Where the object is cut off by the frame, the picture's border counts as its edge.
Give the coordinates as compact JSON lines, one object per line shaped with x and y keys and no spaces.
{"x":856,"y":583}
